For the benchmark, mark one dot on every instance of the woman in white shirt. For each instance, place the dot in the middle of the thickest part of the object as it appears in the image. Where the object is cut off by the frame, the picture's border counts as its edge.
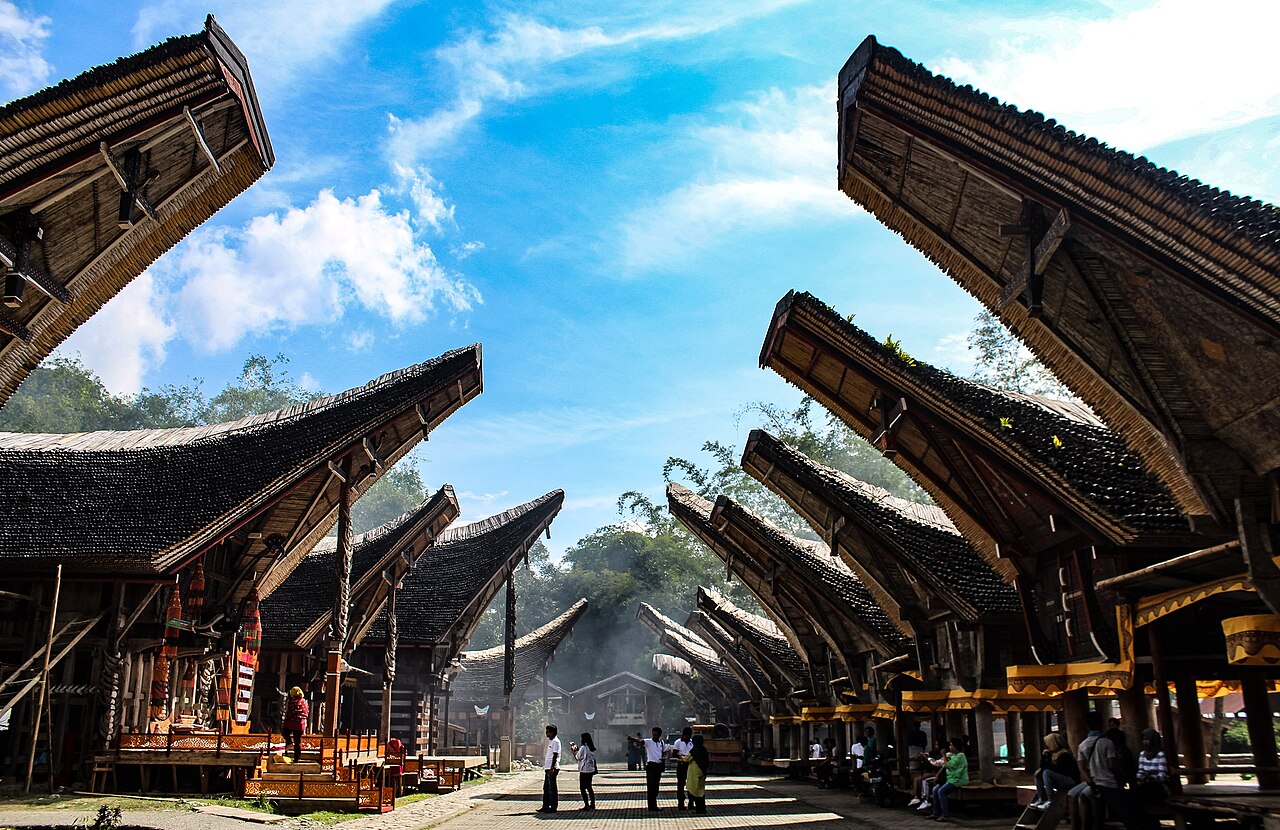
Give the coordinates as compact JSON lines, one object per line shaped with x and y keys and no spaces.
{"x":586,"y":755}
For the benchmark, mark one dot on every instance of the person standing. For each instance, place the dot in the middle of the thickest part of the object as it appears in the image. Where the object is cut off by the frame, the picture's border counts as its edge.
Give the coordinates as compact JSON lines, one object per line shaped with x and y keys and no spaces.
{"x":586,"y":755}
{"x":655,"y":755}
{"x":550,"y":769}
{"x":635,"y":751}
{"x":295,"y":720}
{"x":957,"y":767}
{"x":699,"y":765}
{"x":681,"y":749}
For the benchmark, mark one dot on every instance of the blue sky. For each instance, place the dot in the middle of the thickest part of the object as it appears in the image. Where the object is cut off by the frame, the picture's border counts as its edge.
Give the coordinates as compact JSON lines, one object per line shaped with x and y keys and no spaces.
{"x":611,"y":196}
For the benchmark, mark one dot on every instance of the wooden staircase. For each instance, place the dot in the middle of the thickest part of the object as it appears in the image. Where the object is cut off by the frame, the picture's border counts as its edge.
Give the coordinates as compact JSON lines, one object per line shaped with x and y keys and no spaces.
{"x":25,"y":677}
{"x":331,"y":777}
{"x":1034,"y":818}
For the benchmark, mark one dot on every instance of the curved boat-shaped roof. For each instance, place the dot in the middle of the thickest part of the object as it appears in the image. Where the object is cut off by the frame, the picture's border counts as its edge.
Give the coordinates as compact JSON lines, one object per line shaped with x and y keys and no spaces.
{"x":484,"y":672}
{"x":146,"y":502}
{"x":440,"y":602}
{"x":300,"y":610}
{"x":185,"y":112}
{"x":1154,"y":297}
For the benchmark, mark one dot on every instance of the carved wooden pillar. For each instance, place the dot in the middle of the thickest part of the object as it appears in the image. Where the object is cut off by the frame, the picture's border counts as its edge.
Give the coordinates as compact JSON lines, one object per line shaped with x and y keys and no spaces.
{"x":389,"y":663}
{"x":341,"y":605}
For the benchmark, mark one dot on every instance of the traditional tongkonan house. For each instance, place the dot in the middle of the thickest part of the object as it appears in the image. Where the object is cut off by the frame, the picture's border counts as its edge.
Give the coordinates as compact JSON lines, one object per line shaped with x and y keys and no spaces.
{"x":103,"y":173}
{"x":963,"y":616}
{"x":477,"y":689}
{"x":438,"y":607}
{"x":825,"y":610}
{"x":298,"y":616}
{"x":706,"y":664}
{"x":858,"y":634}
{"x":766,"y":682}
{"x":135,"y":561}
{"x":1155,"y":298}
{"x":789,"y":611}
{"x":1043,"y":489}
{"x":727,"y":627}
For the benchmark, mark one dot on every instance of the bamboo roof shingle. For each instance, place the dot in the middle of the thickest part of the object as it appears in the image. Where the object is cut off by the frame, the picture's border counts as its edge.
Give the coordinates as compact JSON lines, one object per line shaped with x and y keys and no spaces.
{"x":185,"y":112}
{"x":903,"y":551}
{"x":441,"y":601}
{"x":1013,"y":471}
{"x":261,"y":490}
{"x":1154,"y":297}
{"x":687,"y":645}
{"x":482,"y":676}
{"x":742,"y":661}
{"x":299,"y":611}
{"x":763,"y":640}
{"x":810,"y":564}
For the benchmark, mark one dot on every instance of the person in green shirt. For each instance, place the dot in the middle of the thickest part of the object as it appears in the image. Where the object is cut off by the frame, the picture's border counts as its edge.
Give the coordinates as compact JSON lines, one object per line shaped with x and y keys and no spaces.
{"x":957,"y":766}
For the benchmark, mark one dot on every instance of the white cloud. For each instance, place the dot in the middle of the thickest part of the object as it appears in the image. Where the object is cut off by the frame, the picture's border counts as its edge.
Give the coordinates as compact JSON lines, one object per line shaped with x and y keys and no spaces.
{"x":1142,"y":76}
{"x":466,"y":249}
{"x":127,"y":338}
{"x":422,"y":190}
{"x":23,"y":68}
{"x":520,"y":58}
{"x":306,"y":266}
{"x":767,"y":162}
{"x":279,"y":38}
{"x":952,"y":353}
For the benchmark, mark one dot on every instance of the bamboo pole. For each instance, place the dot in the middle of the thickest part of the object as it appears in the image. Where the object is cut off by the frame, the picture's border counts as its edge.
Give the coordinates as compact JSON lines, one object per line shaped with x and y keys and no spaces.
{"x":44,"y":680}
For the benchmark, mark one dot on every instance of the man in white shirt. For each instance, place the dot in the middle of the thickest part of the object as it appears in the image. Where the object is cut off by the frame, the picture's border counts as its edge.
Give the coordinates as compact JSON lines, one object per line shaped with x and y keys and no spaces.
{"x":815,"y":750}
{"x":681,"y":749}
{"x":550,"y":769}
{"x":655,"y":756}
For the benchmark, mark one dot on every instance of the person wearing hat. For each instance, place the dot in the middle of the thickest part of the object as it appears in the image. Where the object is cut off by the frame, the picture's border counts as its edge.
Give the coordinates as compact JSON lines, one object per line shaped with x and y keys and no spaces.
{"x":295,"y":720}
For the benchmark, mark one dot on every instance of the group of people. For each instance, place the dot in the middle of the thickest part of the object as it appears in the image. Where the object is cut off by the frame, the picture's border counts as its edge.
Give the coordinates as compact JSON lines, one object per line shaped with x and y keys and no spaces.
{"x":1104,"y":777}
{"x":693,"y":761}
{"x":939,"y":774}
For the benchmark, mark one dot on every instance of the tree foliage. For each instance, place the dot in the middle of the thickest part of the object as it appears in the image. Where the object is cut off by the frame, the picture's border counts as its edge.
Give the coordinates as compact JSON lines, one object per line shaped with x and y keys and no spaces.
{"x":1003,"y":362}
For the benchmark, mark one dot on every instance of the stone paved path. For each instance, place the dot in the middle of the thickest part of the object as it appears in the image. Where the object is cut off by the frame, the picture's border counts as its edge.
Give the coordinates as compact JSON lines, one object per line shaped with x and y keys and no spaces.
{"x":733,"y":802}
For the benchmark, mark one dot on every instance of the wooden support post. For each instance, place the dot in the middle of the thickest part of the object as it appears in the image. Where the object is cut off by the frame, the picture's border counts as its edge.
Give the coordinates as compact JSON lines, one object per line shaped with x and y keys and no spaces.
{"x":341,"y":606}
{"x":776,"y":732}
{"x":1165,"y":711}
{"x":1191,"y":739}
{"x":1075,"y":706}
{"x":1133,"y":714}
{"x":388,"y":663}
{"x":1034,"y":727}
{"x":1013,"y":738}
{"x":955,"y":722}
{"x":1263,"y":570}
{"x":507,"y":738}
{"x":44,"y":684}
{"x":985,"y":723}
{"x":900,"y":722}
{"x":1257,"y":709}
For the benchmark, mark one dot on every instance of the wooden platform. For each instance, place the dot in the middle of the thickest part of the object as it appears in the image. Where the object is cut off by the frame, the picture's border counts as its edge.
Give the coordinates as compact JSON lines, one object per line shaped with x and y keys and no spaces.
{"x":1243,"y":802}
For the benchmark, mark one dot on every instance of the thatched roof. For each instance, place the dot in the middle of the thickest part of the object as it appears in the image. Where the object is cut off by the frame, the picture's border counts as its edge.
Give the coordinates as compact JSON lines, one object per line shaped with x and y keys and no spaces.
{"x":483,"y":672}
{"x":762,"y":639}
{"x":1017,"y":473}
{"x":789,"y":609}
{"x":441,"y":601}
{"x":704,"y":659}
{"x":55,"y":176}
{"x":1154,"y":297}
{"x":300,"y":610}
{"x":759,"y":678}
{"x":146,"y":502}
{"x":825,"y":579}
{"x":899,"y":548}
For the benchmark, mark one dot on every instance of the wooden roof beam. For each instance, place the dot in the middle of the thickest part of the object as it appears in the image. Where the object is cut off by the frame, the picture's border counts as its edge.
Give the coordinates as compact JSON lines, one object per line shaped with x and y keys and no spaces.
{"x":133,"y":180}
{"x":16,"y":256}
{"x":1028,"y":280}
{"x":197,"y":130}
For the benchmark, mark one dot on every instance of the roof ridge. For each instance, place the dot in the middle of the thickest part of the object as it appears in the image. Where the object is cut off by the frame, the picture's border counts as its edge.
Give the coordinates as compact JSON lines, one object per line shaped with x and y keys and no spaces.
{"x":567,"y":618}
{"x":480,"y":527}
{"x":145,"y":439}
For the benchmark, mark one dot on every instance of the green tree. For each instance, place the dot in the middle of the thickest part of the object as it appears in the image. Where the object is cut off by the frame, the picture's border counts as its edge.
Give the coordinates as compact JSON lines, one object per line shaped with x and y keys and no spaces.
{"x":63,"y":395}
{"x":264,"y":385}
{"x":1004,"y":362}
{"x":398,"y":491}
